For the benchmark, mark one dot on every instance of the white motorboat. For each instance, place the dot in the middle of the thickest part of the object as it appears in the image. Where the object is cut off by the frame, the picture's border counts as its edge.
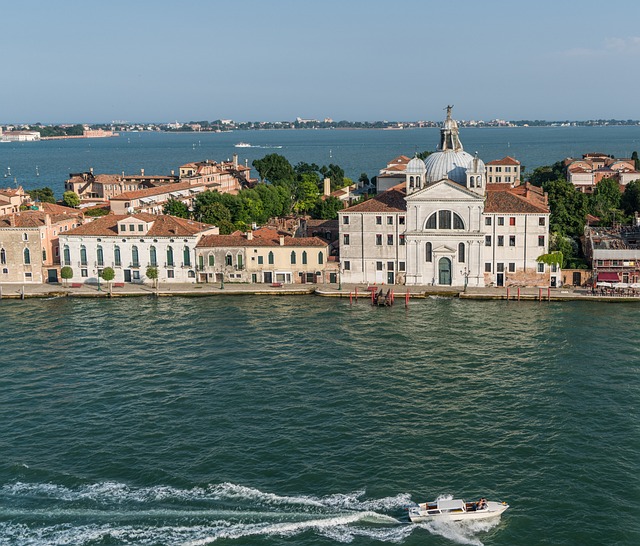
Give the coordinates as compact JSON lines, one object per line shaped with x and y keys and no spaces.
{"x":456,"y":510}
{"x":243,"y":145}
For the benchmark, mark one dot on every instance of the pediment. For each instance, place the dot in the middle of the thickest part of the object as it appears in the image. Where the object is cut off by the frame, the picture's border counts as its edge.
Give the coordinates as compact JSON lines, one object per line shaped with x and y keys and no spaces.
{"x":443,"y":249}
{"x":445,"y":190}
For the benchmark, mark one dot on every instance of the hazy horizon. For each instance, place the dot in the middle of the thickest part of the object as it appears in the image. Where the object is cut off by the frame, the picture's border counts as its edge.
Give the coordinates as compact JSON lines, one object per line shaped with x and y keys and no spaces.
{"x":274,"y":60}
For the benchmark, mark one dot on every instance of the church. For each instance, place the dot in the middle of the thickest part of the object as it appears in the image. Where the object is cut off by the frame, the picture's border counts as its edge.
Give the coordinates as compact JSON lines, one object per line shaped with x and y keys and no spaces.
{"x":445,"y":225}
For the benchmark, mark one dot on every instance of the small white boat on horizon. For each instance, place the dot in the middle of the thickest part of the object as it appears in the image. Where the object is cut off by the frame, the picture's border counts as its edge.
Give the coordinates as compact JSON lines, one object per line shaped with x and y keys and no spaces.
{"x":243,"y":145}
{"x":456,"y":510}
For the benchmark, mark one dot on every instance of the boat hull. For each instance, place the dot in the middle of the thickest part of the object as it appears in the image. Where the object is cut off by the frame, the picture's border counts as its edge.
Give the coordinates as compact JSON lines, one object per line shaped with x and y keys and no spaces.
{"x":493,"y":510}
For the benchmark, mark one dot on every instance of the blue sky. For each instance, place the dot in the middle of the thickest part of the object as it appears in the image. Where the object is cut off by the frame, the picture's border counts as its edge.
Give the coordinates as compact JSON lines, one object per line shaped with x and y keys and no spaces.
{"x":95,"y":61}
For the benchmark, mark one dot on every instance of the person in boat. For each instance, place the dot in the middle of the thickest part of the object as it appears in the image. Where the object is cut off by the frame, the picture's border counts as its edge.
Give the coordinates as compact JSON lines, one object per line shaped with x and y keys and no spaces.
{"x":481,"y":504}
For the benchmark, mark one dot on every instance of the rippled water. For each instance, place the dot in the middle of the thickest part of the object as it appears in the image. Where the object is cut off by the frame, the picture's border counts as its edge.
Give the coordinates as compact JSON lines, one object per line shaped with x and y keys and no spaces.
{"x":302,"y":420}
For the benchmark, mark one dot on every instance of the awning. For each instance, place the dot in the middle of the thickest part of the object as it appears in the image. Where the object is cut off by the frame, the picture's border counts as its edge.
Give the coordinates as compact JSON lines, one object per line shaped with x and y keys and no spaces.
{"x":608,"y":276}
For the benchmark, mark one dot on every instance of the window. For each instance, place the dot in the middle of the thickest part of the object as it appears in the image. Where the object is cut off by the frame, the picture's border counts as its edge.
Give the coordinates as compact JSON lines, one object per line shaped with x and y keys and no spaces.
{"x":540,"y":267}
{"x":487,"y":221}
{"x":84,"y":272}
{"x":3,"y":256}
{"x":487,"y":240}
{"x":132,"y":227}
{"x":429,"y":252}
{"x":540,"y":240}
{"x":345,"y":219}
{"x":136,"y":275}
{"x":5,"y":270}
{"x":512,"y":267}
{"x":170,"y":274}
{"x":512,"y":220}
{"x":83,"y":255}
{"x":293,"y":257}
{"x":347,"y":265}
{"x":240,"y":261}
{"x":44,"y":255}
{"x":444,"y":219}
{"x":390,"y":239}
{"x":500,"y":240}
{"x":378,"y":239}
{"x":228,"y":260}
{"x":401,"y":240}
{"x":135,"y":258}
{"x":320,"y":257}
{"x":345,"y":239}
{"x":153,"y":256}
{"x":507,"y":169}
{"x":201,"y":261}
{"x":541,"y":221}
{"x":390,"y":266}
{"x":501,"y":220}
{"x":389,"y":220}
{"x":25,"y":236}
{"x":116,"y":255}
{"x":512,"y":240}
{"x":140,"y":227}
{"x":186,"y":253}
{"x":123,"y":228}
{"x":378,"y":266}
{"x":487,"y":267}
{"x":461,"y":250}
{"x":500,"y":268}
{"x":260,"y":260}
{"x":100,"y":255}
{"x":378,"y":220}
{"x":401,"y":220}
{"x":498,"y":179}
{"x":270,"y":258}
{"x":27,"y":256}
{"x":401,"y":266}
{"x":304,"y":257}
{"x":170,"y":262}
{"x":498,"y":169}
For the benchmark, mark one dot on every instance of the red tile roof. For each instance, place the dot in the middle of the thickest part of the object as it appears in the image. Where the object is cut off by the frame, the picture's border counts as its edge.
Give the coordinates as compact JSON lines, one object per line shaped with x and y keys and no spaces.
{"x":263,"y":237}
{"x":160,"y":190}
{"x":391,"y":200}
{"x":508,"y":160}
{"x":163,"y":226}
{"x":521,"y":199}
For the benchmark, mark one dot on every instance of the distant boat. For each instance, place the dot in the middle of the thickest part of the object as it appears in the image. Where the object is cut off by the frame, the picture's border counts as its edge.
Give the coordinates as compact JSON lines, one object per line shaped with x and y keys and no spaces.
{"x":243,"y":145}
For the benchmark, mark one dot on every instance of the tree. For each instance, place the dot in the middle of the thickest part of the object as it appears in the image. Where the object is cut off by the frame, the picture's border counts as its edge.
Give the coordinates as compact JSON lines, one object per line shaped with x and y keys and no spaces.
{"x":44,"y":195}
{"x":363,"y":179}
{"x":305,"y":194}
{"x":66,"y":273}
{"x":423,"y":155}
{"x":275,"y":168}
{"x":152,"y":273}
{"x":336,"y":174}
{"x":108,"y":274}
{"x":214,"y":214}
{"x":174,"y":207}
{"x":605,"y":201}
{"x":327,"y":209}
{"x":542,"y":175}
{"x":636,"y":160}
{"x":70,"y":199}
{"x":630,"y":200}
{"x":569,"y":208}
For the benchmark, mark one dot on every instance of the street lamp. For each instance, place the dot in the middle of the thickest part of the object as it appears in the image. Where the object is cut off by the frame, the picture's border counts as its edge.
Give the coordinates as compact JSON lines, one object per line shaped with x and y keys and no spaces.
{"x":465,"y":273}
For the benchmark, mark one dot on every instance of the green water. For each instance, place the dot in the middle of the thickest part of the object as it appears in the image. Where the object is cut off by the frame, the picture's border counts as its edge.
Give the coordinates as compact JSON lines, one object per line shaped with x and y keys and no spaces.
{"x":303,"y":420}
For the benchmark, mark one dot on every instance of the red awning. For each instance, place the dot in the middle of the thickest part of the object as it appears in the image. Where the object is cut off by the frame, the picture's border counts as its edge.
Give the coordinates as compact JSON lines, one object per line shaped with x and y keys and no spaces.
{"x":608,"y":276}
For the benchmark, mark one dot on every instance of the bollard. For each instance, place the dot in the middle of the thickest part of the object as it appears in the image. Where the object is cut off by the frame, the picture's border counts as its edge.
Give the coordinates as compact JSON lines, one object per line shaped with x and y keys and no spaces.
{"x":356,"y":294}
{"x":507,"y":293}
{"x":406,"y":298}
{"x":518,"y":293}
{"x":350,"y":298}
{"x":539,"y":294}
{"x":548,"y":293}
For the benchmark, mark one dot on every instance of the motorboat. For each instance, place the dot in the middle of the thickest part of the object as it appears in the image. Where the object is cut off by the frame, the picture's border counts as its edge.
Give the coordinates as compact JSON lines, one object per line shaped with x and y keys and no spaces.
{"x":243,"y":145}
{"x":455,"y":510}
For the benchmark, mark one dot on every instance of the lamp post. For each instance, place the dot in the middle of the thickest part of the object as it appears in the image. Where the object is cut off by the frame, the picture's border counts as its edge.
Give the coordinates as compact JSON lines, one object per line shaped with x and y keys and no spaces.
{"x":465,"y":273}
{"x":98,"y":280}
{"x":222,"y":281}
{"x":339,"y":278}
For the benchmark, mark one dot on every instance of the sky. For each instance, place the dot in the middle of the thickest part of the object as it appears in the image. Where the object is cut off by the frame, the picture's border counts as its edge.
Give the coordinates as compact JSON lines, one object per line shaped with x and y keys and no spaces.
{"x":93,"y":61}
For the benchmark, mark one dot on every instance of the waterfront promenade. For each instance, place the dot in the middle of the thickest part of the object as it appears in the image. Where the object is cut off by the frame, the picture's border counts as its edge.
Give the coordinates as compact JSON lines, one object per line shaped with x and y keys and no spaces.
{"x":348,"y":291}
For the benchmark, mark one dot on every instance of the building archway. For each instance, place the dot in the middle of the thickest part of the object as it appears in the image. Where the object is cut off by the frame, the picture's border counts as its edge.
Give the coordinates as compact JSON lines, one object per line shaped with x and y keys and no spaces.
{"x":444,"y":271}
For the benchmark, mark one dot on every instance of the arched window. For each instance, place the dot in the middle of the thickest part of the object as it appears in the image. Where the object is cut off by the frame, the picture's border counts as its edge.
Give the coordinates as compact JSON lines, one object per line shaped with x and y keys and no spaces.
{"x":187,"y":256}
{"x":444,"y":219}
{"x":83,"y":255}
{"x":304,"y":257}
{"x":3,"y":256}
{"x":228,"y":260}
{"x":27,"y":256}
{"x":212,"y":260}
{"x":135,"y":258}
{"x":25,"y":236}
{"x":100,"y":255}
{"x":418,"y":182}
{"x":270,"y":258}
{"x":471,"y":181}
{"x":153,"y":256}
{"x":66,"y":255}
{"x":461,"y":252}
{"x":117,"y":258}
{"x":479,"y":181}
{"x":170,"y":256}
{"x":239,"y":261}
{"x":411,"y":181}
{"x":293,"y":257}
{"x":201,"y":261}
{"x":320,"y":257}
{"x":429,"y":252}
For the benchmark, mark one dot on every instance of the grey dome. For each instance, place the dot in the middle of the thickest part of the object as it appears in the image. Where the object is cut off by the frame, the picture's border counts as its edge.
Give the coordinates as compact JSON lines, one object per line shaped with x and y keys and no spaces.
{"x":415,"y":166}
{"x":448,"y":164}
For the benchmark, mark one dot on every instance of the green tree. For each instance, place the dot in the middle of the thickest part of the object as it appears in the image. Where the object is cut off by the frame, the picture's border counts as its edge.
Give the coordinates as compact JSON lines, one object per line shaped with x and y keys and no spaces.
{"x":71,"y":199}
{"x":174,"y":207}
{"x":636,"y":160}
{"x":569,"y":208}
{"x":66,"y":273}
{"x":336,"y":174}
{"x":152,"y":273}
{"x":327,"y":209}
{"x":543,"y":175}
{"x":108,"y":274}
{"x":605,"y":201}
{"x":305,"y":194}
{"x":363,"y":179}
{"x":423,"y":155}
{"x":275,"y":168}
{"x":630,"y":200}
{"x":44,"y":195}
{"x":214,"y":214}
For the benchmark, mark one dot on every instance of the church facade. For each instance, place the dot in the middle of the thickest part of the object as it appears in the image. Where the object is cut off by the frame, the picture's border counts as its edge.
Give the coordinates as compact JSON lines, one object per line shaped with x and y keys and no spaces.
{"x":445,"y":225}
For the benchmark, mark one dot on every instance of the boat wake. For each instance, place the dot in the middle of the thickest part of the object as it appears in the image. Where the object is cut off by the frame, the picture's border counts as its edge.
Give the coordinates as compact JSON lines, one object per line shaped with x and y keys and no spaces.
{"x":32,"y":513}
{"x":263,"y":146}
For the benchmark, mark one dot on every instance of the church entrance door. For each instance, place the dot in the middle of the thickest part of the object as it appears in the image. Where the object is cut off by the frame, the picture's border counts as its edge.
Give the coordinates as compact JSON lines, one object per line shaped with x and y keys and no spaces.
{"x":444,"y":271}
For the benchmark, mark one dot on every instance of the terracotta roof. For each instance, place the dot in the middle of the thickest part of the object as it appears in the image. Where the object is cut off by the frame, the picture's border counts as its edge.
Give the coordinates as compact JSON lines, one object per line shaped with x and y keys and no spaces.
{"x":521,"y":199}
{"x":391,"y":200}
{"x":148,"y":192}
{"x":37,"y":218}
{"x":54,"y":209}
{"x":401,"y":159}
{"x":163,"y":226}
{"x":508,"y":160}
{"x":263,"y":237}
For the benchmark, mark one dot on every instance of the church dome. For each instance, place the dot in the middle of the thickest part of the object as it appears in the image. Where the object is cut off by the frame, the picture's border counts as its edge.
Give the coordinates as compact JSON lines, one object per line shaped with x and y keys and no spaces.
{"x":448,"y":164}
{"x":415,"y":166}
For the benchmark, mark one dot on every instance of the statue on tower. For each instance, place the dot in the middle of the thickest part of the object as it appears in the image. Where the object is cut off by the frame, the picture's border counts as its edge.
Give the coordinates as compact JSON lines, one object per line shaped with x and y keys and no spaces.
{"x":448,"y":109}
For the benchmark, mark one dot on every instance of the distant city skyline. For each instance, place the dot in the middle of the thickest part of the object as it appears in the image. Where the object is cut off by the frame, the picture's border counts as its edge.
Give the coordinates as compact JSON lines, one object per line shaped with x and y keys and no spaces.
{"x":83,"y":62}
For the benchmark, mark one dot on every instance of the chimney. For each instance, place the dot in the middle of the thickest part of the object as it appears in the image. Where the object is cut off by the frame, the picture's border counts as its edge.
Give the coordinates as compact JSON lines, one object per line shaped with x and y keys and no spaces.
{"x":249,"y":235}
{"x":546,"y":198}
{"x":235,"y":161}
{"x":281,"y":240}
{"x":173,"y":173}
{"x":327,"y":186}
{"x":91,"y":170}
{"x":141,"y":172}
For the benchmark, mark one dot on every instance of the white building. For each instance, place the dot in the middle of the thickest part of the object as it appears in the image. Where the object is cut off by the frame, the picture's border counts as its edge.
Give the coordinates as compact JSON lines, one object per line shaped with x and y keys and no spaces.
{"x":131,"y":243}
{"x":446,"y":226}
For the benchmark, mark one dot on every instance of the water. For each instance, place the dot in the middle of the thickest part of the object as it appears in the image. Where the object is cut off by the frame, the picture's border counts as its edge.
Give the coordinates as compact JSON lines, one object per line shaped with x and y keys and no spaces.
{"x":307,"y":421}
{"x":356,"y":151}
